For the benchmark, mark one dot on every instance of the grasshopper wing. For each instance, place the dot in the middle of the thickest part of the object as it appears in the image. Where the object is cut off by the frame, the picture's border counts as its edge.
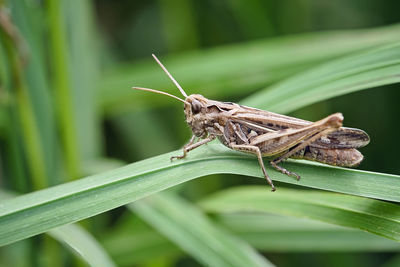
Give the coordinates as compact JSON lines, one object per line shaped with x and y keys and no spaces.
{"x":343,"y":138}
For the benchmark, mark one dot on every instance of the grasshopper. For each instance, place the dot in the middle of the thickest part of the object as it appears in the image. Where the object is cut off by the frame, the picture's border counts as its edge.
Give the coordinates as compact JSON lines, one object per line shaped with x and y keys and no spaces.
{"x":268,"y":134}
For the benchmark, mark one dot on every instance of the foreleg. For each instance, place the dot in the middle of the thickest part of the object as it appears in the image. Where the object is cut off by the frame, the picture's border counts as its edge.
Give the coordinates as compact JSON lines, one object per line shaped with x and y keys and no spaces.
{"x":192,"y":145}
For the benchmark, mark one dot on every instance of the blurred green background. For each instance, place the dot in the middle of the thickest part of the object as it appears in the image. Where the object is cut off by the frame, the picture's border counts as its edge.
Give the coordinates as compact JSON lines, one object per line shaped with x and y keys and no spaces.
{"x":67,"y":110}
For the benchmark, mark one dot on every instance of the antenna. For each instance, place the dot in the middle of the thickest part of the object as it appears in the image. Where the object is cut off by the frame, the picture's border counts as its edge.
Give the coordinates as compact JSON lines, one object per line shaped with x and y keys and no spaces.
{"x":160,"y":92}
{"x":170,"y":76}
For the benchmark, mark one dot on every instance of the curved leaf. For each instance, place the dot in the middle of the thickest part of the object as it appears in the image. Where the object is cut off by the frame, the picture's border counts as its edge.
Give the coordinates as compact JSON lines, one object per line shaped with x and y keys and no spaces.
{"x":77,"y":239}
{"x":234,"y":69}
{"x":378,"y":217}
{"x":276,"y":233}
{"x":264,"y":231}
{"x":338,"y":77}
{"x":186,"y":226}
{"x":37,"y":212}
{"x":83,"y":244}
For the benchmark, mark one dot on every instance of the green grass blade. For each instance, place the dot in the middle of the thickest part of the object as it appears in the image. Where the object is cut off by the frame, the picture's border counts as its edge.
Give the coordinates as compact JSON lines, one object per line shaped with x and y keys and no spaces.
{"x":62,"y":87}
{"x":23,"y":106}
{"x":186,"y":226}
{"x":374,"y":216}
{"x":338,"y":77}
{"x":275,"y":233}
{"x":236,"y":69}
{"x":133,"y":242}
{"x":266,"y":232}
{"x":83,"y":244}
{"x":40,"y":211}
{"x":75,"y":238}
{"x":84,"y":59}
{"x":12,"y":154}
{"x":36,"y":76}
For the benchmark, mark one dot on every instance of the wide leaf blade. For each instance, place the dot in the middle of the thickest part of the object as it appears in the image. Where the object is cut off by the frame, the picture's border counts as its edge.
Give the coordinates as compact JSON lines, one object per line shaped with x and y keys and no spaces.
{"x":351,"y":73}
{"x":186,"y":226}
{"x":234,"y":69}
{"x":83,"y":244}
{"x":37,"y":212}
{"x":374,"y":216}
{"x":276,"y":233}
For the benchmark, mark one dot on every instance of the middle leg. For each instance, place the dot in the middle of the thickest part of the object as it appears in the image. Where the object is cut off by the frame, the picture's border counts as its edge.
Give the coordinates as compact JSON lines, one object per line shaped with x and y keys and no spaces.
{"x":255,"y":150}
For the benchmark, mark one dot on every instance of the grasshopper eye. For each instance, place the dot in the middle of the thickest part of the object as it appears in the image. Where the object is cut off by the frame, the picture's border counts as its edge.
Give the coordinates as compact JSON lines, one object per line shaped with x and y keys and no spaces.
{"x":196,"y":106}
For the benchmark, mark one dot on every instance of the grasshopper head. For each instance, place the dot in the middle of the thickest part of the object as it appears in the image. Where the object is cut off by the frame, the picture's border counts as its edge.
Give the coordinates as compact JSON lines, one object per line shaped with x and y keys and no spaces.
{"x":196,"y":114}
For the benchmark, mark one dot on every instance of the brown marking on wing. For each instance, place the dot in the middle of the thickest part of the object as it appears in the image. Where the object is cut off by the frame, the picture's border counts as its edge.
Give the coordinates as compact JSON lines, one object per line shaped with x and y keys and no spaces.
{"x":343,"y":138}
